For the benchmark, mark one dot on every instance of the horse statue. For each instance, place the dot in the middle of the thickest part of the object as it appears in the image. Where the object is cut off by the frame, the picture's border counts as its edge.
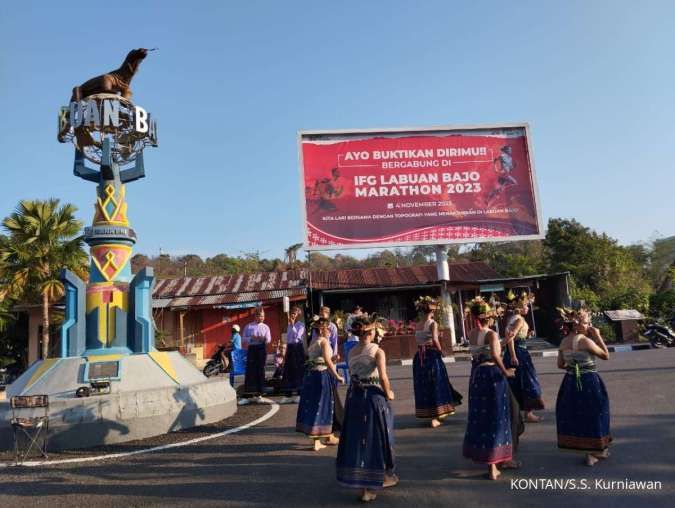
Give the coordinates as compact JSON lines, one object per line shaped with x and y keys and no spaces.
{"x":117,"y":81}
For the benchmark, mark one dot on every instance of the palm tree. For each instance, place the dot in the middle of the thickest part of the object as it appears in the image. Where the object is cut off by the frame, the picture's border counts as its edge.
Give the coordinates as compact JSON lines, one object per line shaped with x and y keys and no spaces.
{"x":43,"y":238}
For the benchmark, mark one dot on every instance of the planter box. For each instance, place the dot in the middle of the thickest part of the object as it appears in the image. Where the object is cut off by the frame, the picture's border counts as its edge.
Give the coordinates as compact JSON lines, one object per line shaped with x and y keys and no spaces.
{"x":404,"y":347}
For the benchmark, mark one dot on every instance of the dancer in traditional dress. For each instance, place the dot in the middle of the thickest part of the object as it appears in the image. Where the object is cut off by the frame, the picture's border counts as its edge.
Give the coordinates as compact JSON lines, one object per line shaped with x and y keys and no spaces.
{"x":257,"y":335}
{"x":293,"y":372}
{"x":582,"y":408}
{"x":489,"y":434}
{"x":317,"y":403}
{"x":435,"y":397}
{"x":525,"y":384}
{"x":365,"y":458}
{"x":324,"y":312}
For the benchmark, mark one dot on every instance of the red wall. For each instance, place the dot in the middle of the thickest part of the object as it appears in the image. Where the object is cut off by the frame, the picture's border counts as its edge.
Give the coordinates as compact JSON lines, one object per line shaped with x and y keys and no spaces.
{"x":217,"y":325}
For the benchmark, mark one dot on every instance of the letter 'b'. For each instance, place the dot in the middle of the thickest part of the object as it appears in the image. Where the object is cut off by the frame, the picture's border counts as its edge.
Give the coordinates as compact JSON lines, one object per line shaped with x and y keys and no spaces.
{"x":141,"y":120}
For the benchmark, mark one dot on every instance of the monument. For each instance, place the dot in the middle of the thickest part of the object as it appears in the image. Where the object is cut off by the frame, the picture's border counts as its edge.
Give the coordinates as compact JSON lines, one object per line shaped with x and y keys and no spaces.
{"x":126,"y":389}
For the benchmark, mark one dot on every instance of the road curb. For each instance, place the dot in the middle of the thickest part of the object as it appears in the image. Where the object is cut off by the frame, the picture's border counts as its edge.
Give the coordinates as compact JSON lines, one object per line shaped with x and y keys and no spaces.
{"x":546,"y":353}
{"x":625,"y":348}
{"x":409,"y":362}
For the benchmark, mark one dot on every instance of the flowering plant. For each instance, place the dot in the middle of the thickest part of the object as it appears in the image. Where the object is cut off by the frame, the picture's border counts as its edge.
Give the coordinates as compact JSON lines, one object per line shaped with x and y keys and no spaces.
{"x":395,"y":327}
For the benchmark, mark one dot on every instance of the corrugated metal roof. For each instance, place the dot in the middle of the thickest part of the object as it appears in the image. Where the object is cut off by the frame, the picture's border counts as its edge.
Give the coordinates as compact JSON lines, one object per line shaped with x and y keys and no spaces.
{"x":228,"y":298}
{"x":221,"y":284}
{"x":265,"y":287}
{"x":336,"y":279}
{"x":395,"y":277}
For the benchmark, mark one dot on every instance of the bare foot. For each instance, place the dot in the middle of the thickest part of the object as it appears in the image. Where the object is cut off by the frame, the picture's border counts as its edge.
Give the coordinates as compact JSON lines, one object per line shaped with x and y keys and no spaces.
{"x":510,"y":464}
{"x":591,"y":460}
{"x":368,"y":495}
{"x":318,"y":445}
{"x":435,"y":422}
{"x":530,"y":417}
{"x":390,"y":481}
{"x":494,"y":472}
{"x":331,"y":441}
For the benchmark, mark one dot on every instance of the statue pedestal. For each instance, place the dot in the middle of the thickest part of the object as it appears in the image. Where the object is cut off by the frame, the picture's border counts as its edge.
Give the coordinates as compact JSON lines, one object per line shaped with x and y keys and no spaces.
{"x":152,"y":394}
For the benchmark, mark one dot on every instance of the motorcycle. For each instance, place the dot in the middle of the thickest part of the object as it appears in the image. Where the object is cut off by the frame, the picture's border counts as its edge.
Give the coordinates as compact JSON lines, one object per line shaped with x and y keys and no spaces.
{"x":8,"y":374}
{"x":660,"y":336}
{"x":216,"y":365}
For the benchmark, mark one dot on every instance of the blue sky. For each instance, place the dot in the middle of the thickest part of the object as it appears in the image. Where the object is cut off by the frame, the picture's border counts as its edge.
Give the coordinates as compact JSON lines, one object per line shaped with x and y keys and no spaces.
{"x":232,"y":83}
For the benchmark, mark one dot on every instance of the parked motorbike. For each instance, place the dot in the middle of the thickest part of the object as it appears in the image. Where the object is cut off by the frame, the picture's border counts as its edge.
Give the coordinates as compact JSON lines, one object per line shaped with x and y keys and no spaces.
{"x":8,"y":374}
{"x":660,"y":336}
{"x":216,"y":365}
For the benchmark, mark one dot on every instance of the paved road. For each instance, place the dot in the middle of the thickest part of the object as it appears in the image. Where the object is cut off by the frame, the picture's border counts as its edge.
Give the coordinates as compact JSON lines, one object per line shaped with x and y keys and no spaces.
{"x":269,"y":465}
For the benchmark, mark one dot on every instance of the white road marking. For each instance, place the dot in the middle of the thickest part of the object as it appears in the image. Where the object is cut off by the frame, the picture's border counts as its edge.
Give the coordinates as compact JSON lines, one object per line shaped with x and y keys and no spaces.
{"x":34,"y":463}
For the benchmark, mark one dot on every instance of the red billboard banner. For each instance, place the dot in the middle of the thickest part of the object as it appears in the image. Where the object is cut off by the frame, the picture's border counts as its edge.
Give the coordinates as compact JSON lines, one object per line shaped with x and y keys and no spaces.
{"x":417,"y":186}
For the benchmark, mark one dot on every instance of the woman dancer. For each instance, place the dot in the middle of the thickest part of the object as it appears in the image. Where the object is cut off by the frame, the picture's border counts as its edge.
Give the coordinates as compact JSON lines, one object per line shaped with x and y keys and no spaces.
{"x":316,"y":407}
{"x":293,"y":372}
{"x":434,"y":396}
{"x":524,"y":385}
{"x":582,"y":408}
{"x":489,"y":436}
{"x":365,"y":458}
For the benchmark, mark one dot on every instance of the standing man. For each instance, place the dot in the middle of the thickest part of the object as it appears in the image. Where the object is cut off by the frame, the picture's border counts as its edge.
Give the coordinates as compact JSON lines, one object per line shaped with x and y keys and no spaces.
{"x":256,"y":335}
{"x":294,"y":362}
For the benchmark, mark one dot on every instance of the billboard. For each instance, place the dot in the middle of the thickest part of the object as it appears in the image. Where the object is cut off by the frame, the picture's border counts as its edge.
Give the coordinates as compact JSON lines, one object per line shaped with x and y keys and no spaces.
{"x":397,"y":187}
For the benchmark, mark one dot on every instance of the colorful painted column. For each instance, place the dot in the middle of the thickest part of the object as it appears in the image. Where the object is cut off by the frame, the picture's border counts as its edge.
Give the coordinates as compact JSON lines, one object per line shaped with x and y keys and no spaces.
{"x":117,"y":310}
{"x":111,"y":240}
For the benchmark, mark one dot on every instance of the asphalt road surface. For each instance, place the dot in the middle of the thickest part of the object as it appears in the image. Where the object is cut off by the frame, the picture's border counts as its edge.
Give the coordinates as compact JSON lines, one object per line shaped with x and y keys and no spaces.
{"x":270,"y":465}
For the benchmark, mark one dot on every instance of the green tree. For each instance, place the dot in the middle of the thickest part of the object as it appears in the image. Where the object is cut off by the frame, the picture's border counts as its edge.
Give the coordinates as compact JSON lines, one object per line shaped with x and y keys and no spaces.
{"x":43,"y":238}
{"x":603,"y":271}
{"x":139,"y":261}
{"x":511,"y":259}
{"x":662,"y":260}
{"x":192,"y":265}
{"x":320,"y":262}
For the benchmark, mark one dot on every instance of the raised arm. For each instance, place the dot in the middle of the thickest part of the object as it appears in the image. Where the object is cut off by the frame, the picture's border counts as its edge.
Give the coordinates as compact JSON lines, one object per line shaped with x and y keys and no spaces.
{"x":496,"y":352}
{"x":434,"y":336}
{"x":327,"y":353}
{"x":381,"y":362}
{"x":595,"y":345}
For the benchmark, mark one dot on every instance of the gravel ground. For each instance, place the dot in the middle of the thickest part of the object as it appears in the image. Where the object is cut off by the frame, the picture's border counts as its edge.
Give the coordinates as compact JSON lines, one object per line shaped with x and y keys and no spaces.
{"x":244,"y":415}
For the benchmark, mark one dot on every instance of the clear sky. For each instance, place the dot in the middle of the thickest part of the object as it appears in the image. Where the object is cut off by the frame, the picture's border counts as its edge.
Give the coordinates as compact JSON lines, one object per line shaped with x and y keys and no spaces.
{"x":232,"y":83}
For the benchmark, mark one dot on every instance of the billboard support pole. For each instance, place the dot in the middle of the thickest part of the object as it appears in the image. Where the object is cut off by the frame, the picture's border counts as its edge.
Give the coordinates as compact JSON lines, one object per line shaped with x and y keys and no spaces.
{"x":443,"y":273}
